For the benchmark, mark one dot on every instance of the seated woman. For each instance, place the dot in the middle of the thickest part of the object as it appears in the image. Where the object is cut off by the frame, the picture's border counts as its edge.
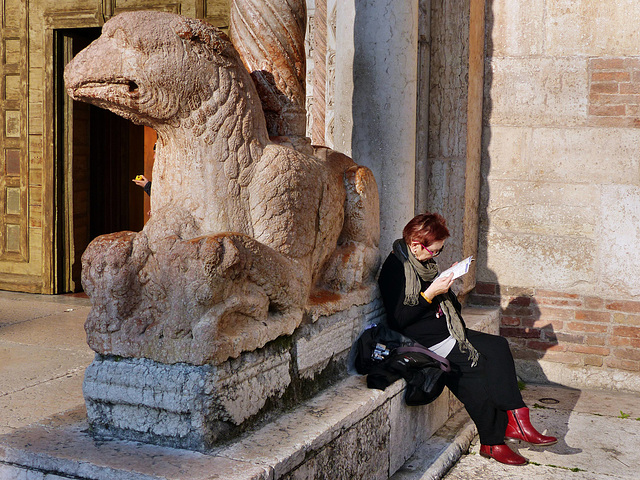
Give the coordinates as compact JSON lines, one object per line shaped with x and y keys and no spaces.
{"x":483,"y":375}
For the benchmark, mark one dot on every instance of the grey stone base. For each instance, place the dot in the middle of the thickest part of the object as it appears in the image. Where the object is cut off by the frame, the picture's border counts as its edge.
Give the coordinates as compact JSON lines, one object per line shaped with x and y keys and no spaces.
{"x":197,"y":407}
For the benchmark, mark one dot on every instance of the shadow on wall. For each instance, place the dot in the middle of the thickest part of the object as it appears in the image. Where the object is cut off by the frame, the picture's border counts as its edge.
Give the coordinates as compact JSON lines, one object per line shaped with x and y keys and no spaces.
{"x":530,"y":338}
{"x":529,"y":335}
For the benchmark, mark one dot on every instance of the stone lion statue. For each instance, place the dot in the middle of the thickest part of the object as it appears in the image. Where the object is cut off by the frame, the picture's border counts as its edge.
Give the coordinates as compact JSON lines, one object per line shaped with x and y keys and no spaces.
{"x":245,"y":233}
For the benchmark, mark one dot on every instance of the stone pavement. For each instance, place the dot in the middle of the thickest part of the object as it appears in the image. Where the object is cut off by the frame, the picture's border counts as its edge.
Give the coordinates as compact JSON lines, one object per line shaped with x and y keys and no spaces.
{"x":43,"y":356}
{"x":598,"y":432}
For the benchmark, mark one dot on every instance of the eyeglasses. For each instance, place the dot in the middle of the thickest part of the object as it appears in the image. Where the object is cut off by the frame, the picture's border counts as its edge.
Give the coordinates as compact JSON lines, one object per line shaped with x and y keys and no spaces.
{"x":433,"y":254}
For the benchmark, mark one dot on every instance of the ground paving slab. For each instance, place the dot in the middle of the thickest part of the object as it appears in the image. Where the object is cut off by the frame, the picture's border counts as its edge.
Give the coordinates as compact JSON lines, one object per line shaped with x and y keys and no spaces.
{"x":598,"y":439}
{"x":43,"y":355}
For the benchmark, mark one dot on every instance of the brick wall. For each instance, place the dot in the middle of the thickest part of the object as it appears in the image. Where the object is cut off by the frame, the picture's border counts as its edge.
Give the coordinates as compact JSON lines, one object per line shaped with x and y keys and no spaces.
{"x":614,"y":91}
{"x":566,"y":328}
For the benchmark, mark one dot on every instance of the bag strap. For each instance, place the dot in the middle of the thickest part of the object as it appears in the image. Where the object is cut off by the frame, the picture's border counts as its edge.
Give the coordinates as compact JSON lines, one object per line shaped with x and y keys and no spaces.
{"x":444,"y":363}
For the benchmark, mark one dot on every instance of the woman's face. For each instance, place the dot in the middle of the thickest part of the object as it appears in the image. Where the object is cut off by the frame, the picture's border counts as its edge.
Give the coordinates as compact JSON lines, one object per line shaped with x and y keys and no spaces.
{"x":425,"y":252}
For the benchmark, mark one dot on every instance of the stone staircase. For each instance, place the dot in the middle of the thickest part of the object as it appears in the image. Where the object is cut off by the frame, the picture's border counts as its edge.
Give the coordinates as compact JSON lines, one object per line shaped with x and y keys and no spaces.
{"x":346,"y":432}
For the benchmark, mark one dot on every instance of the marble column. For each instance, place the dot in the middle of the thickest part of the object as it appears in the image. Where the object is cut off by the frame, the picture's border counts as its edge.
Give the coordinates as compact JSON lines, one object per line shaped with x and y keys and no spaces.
{"x":375,"y":100}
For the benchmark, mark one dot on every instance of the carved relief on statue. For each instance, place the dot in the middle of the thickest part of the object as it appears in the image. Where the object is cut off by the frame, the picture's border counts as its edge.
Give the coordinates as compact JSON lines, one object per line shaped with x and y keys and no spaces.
{"x":243,"y":230}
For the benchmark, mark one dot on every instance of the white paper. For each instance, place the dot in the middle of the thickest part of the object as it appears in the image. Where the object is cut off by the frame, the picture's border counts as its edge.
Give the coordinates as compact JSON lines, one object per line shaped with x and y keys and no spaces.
{"x":458,"y":269}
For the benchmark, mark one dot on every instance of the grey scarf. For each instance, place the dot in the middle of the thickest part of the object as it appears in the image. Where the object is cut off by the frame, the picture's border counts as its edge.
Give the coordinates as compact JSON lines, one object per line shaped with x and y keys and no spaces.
{"x":414,"y":270}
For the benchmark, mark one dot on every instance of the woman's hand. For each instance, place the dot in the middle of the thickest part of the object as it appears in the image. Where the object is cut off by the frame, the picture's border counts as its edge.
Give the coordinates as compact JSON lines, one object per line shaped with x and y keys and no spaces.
{"x":439,"y":286}
{"x":140,"y":180}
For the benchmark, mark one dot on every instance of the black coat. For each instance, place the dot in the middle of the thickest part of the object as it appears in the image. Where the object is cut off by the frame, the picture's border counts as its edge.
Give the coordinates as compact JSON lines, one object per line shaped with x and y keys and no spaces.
{"x":423,"y":322}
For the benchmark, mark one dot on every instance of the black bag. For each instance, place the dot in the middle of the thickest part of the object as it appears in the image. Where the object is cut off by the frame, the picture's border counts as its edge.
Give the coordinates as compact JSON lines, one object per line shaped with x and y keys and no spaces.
{"x":385,"y":356}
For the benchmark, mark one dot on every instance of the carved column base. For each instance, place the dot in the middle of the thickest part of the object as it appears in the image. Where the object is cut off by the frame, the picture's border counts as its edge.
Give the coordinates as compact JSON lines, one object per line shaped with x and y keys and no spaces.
{"x":198,"y":407}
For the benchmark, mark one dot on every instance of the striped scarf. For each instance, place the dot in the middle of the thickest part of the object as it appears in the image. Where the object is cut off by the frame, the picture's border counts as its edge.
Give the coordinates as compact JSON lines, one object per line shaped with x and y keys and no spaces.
{"x":414,"y":270}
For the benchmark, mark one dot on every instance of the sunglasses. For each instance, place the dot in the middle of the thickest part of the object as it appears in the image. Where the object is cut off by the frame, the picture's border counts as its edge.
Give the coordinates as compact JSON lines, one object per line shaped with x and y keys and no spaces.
{"x":433,"y":254}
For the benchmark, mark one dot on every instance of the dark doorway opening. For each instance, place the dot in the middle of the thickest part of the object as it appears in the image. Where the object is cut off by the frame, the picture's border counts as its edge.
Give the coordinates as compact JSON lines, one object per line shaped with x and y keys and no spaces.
{"x":97,"y":155}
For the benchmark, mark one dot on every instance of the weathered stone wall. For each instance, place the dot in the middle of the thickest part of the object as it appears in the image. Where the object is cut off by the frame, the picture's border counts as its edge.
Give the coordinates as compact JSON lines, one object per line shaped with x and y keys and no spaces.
{"x":561,"y":180}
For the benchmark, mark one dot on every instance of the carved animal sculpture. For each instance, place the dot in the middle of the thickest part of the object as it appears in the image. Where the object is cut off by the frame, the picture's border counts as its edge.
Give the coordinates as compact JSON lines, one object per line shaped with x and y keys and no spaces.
{"x":243,"y":231}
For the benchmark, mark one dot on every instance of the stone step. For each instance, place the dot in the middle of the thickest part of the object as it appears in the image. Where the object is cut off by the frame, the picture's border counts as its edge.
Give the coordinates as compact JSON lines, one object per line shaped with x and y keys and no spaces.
{"x":346,"y":432}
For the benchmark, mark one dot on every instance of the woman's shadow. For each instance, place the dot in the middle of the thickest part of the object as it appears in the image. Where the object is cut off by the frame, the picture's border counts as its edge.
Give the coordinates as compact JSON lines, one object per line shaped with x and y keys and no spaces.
{"x":550,"y":403}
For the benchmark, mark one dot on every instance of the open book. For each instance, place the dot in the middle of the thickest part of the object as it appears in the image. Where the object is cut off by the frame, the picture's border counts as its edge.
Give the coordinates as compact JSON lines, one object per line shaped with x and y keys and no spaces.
{"x":458,"y":269}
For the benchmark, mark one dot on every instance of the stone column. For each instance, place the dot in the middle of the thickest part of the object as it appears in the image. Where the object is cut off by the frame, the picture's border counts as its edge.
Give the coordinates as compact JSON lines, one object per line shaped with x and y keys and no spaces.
{"x":269,"y":35}
{"x":375,"y":100}
{"x":474,"y":140}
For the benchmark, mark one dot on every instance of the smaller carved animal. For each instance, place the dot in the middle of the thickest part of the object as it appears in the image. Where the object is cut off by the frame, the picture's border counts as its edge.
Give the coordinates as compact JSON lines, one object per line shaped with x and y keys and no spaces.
{"x":243,"y":230}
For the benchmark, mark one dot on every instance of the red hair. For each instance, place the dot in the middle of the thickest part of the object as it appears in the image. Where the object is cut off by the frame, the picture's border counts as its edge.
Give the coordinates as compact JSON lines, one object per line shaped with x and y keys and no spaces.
{"x":425,"y":228}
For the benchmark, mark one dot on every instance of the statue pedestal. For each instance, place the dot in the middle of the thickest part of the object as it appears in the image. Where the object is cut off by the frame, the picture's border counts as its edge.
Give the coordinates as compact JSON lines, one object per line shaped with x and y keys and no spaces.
{"x":197,"y":407}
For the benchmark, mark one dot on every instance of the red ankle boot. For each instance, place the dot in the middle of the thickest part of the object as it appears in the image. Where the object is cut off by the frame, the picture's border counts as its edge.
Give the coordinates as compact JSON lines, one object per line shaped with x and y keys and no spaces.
{"x":520,"y":428}
{"x":503,"y":454}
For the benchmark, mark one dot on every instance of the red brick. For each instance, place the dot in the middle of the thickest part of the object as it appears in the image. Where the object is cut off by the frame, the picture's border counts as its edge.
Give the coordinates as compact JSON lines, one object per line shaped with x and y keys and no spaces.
{"x":569,"y":338}
{"x":542,"y":323}
{"x":510,"y":321}
{"x":595,"y":340}
{"x":607,"y":111}
{"x":586,"y":327}
{"x":627,"y":354}
{"x":623,"y":88}
{"x":632,"y":63}
{"x":545,"y":346}
{"x":607,"y":63}
{"x":617,"y":100}
{"x":588,"y":350}
{"x":519,"y":332}
{"x":630,"y":320}
{"x":615,"y":122}
{"x":619,"y":76}
{"x":568,"y":358}
{"x":593,"y":303}
{"x":520,"y":301}
{"x":624,"y":306}
{"x":593,"y":360}
{"x":553,"y":293}
{"x":633,"y":110}
{"x":554,"y":313}
{"x":559,"y":302}
{"x":607,"y":87}
{"x":633,"y":332}
{"x":623,"y":364}
{"x":624,"y":342}
{"x":591,"y":316}
{"x":486,"y":288}
{"x":518,"y":311}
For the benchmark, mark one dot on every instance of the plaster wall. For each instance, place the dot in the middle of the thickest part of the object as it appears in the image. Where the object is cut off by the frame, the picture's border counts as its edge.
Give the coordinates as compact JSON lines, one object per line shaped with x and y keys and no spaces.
{"x":560,"y":195}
